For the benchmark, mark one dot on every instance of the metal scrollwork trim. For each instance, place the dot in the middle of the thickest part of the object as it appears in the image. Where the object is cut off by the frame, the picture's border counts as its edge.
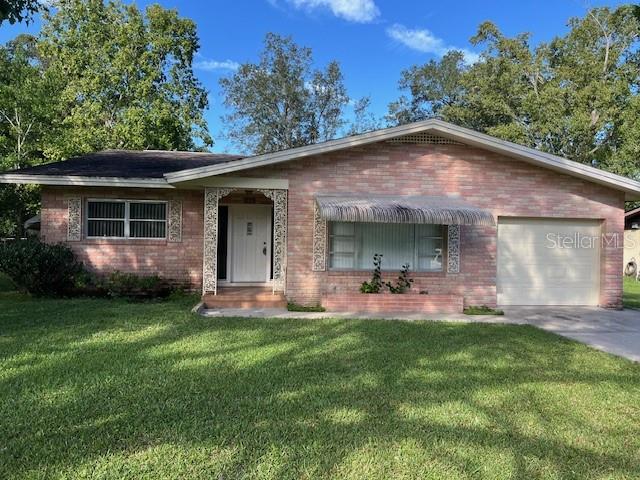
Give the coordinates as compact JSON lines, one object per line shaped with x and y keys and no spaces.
{"x":174,"y":217}
{"x":453,"y":249}
{"x":74,"y":224}
{"x":319,"y":241}
{"x":210,"y":248}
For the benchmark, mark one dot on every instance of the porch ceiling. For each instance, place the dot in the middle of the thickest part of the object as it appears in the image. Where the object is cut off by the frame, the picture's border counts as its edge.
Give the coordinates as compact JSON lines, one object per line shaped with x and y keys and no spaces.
{"x":402,"y":209}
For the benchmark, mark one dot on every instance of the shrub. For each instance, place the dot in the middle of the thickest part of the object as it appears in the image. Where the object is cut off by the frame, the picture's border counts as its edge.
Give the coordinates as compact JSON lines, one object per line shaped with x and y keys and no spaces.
{"x":404,"y":282}
{"x":129,"y":285}
{"x":375,"y":285}
{"x":40,"y":268}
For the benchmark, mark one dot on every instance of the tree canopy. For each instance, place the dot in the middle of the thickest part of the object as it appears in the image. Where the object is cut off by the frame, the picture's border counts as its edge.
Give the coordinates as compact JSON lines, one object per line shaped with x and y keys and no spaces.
{"x":575,"y":96}
{"x":19,"y":10}
{"x":98,"y":76}
{"x":283,"y":102}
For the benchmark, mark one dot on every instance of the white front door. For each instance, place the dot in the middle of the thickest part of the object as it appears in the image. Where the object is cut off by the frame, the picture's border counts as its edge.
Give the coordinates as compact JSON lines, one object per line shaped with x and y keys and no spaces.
{"x":250,"y":244}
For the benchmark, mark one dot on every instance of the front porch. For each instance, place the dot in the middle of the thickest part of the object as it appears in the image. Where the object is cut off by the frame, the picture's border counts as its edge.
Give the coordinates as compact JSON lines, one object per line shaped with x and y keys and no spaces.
{"x":245,"y":234}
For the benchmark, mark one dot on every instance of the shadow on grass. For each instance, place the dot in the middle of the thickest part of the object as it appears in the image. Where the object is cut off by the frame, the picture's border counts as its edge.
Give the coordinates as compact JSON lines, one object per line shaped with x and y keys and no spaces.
{"x":111,"y":389}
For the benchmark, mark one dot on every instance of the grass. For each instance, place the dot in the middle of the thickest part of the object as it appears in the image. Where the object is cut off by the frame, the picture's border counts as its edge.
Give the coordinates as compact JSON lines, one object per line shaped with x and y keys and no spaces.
{"x":631,"y":296}
{"x":109,"y":389}
{"x":294,"y":307}
{"x":482,"y":310}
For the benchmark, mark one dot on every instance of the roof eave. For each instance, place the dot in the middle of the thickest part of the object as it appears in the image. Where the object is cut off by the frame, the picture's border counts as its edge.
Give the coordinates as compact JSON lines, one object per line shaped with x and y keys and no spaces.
{"x":84,"y":181}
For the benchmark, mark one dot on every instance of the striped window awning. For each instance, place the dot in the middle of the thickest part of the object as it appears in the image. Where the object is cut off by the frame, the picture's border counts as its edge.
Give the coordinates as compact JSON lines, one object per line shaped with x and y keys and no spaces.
{"x":401,"y":209}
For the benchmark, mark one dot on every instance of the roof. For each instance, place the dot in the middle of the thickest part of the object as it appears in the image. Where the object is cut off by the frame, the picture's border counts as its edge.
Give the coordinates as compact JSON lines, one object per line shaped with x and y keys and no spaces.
{"x":171,"y":169}
{"x":128,"y":164}
{"x":402,"y":209}
{"x":432,"y":126}
{"x":631,"y":217}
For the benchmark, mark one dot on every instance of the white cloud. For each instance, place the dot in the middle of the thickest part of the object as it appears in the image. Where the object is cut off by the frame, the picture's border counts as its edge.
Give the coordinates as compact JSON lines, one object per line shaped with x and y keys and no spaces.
{"x":361,"y":11}
{"x":211,"y":65}
{"x":423,"y":40}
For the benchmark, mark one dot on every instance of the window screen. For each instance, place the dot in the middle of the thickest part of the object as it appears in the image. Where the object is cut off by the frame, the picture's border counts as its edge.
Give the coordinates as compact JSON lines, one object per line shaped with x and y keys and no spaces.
{"x":126,"y":219}
{"x":353,"y":245}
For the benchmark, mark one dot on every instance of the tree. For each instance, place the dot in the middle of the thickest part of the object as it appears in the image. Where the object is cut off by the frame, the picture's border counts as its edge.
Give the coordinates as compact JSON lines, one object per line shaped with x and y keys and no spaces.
{"x":98,"y":76}
{"x":575,"y":96}
{"x":432,"y":87}
{"x":363,"y":119}
{"x":126,"y":77}
{"x":26,"y":124}
{"x":281,"y":102}
{"x":18,"y":10}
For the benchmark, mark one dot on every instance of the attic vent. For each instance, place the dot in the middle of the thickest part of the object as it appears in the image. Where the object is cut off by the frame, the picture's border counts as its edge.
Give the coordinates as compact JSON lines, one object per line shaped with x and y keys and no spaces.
{"x":424,"y":139}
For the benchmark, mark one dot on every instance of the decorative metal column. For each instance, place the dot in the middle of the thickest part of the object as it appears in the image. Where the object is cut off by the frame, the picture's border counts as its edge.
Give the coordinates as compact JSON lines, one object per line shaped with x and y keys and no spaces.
{"x":279,"y":198}
{"x":74,"y":225}
{"x":210,"y":248}
{"x":319,"y":241}
{"x":453,"y":248}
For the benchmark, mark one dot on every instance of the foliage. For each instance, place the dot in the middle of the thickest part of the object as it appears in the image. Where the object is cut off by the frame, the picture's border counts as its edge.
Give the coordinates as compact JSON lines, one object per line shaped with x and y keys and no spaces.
{"x":39,"y":268}
{"x":15,"y":11}
{"x":129,"y":285}
{"x":27,"y":124}
{"x":375,"y":285}
{"x":364,"y":120}
{"x":131,"y":85}
{"x":575,"y":96}
{"x":283,"y":102}
{"x":6,"y":285}
{"x":294,"y":307}
{"x":482,"y":310}
{"x":113,"y":389}
{"x":631,"y":294}
{"x":403,"y":283}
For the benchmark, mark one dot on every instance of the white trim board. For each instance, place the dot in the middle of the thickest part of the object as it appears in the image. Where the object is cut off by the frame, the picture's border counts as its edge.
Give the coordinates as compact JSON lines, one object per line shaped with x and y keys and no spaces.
{"x":71,"y":180}
{"x":437,"y":127}
{"x":237,"y":182}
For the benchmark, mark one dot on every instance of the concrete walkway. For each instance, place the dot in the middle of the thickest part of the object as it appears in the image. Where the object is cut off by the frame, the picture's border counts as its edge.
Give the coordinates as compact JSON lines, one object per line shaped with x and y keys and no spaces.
{"x":613,"y":331}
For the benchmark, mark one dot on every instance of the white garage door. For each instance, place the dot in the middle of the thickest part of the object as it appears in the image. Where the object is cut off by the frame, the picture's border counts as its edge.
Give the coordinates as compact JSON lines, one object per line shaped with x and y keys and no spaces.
{"x":548,"y":262}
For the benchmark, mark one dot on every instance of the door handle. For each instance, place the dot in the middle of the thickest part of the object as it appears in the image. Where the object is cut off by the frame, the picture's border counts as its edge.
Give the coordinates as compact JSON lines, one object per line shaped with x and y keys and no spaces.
{"x":264,"y":249}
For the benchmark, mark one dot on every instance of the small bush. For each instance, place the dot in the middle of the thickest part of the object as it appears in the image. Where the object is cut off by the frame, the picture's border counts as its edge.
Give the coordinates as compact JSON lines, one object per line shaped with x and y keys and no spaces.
{"x":40,"y":268}
{"x":403,"y":283}
{"x":375,"y":285}
{"x":482,"y":310}
{"x":294,"y":307}
{"x":129,"y":285}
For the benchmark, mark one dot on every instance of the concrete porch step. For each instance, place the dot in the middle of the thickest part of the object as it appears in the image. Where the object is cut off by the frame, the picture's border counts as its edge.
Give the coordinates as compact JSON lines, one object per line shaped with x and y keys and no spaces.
{"x":245,"y":297}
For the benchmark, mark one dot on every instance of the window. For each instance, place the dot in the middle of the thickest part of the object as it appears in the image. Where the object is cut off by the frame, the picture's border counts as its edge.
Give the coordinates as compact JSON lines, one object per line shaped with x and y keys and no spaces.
{"x":126,"y":219}
{"x":352,"y":246}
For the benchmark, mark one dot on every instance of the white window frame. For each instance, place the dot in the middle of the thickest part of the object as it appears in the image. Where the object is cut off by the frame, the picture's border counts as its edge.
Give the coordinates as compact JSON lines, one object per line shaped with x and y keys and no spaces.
{"x":357,"y":241}
{"x":127,"y":219}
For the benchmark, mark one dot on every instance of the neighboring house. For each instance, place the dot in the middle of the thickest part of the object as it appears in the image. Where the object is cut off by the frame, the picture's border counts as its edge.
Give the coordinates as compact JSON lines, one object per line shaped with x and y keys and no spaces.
{"x":480,"y":220}
{"x":632,"y":236}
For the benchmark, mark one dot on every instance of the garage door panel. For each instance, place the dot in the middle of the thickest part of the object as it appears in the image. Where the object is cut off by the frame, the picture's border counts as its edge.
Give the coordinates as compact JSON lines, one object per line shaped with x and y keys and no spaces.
{"x":536,"y":268}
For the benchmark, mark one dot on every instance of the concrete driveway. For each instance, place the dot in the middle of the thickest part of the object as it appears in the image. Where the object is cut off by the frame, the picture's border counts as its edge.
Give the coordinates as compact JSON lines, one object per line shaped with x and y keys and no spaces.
{"x":613,"y":331}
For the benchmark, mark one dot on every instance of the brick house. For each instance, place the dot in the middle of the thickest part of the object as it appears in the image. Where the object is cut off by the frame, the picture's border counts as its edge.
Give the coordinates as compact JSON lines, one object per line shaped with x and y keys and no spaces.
{"x":479,"y":221}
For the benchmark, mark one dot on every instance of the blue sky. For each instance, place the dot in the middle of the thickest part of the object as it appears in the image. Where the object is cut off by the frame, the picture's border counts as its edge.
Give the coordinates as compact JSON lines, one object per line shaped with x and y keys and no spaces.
{"x":372,"y":39}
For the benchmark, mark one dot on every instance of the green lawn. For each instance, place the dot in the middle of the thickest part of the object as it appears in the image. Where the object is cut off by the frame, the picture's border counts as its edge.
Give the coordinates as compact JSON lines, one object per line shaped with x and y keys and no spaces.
{"x":107,"y":389}
{"x":631,"y":298}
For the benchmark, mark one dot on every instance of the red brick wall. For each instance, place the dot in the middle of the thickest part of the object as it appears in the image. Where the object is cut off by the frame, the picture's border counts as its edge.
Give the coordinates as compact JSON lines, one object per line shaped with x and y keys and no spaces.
{"x":180,"y":261}
{"x":505,"y":186}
